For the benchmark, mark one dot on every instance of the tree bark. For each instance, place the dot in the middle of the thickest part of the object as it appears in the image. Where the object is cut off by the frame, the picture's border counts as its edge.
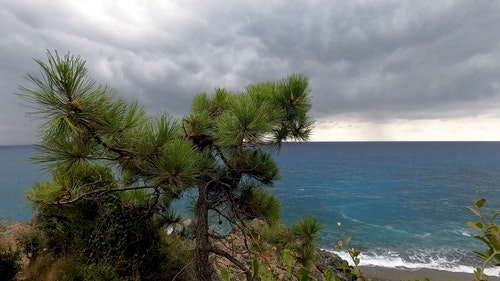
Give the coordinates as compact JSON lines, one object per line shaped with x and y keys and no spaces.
{"x":202,"y":247}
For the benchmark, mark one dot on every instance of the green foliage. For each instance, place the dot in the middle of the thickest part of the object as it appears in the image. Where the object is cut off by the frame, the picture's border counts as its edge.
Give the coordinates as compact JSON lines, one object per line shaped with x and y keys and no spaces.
{"x":490,"y":236}
{"x":177,"y":256}
{"x":32,"y":241}
{"x":297,"y":244}
{"x":304,"y":275}
{"x":116,"y":170}
{"x":115,"y":236}
{"x":265,"y":274}
{"x":107,"y":233}
{"x":306,"y":234}
{"x":292,"y":96}
{"x":44,"y":192}
{"x":70,"y":184}
{"x":70,"y":269}
{"x":260,"y":204}
{"x":330,"y":276}
{"x":343,"y":244}
{"x":246,"y":120}
{"x":255,"y":269}
{"x":287,"y":257}
{"x":138,"y":198}
{"x":9,"y":264}
{"x":224,"y":274}
{"x":118,"y":232}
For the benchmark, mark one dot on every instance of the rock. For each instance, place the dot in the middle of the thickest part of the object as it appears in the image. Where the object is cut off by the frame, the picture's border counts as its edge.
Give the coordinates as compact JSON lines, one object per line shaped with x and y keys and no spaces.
{"x":331,"y":261}
{"x":184,"y":229}
{"x":328,"y":260}
{"x":9,"y":234}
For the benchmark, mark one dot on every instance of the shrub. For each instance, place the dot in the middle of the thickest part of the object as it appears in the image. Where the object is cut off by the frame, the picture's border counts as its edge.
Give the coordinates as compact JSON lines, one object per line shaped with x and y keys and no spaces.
{"x":31,"y":241}
{"x":9,"y":264}
{"x":490,"y":236}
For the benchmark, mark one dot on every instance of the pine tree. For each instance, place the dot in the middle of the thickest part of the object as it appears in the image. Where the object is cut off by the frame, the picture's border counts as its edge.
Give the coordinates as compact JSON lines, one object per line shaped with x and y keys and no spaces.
{"x":114,"y":170}
{"x":239,"y":133}
{"x":223,"y":148}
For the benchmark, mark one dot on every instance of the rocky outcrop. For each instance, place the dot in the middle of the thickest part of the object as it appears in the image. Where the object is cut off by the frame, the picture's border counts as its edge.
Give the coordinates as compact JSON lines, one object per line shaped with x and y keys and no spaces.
{"x":330,"y":261}
{"x":184,"y":229}
{"x":241,"y":250}
{"x":8,"y":235}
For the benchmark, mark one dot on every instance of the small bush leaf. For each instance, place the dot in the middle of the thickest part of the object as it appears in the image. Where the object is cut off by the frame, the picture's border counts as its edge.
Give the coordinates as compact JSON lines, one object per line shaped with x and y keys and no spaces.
{"x":475,"y":225}
{"x":479,"y":203}
{"x":255,"y":268}
{"x":288,"y":260}
{"x":225,"y":274}
{"x":479,"y":273}
{"x":494,"y":216}
{"x":304,"y":274}
{"x":474,"y":211}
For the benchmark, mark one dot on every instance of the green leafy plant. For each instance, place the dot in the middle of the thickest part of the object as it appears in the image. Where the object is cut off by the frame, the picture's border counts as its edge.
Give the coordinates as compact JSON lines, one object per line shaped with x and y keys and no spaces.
{"x":343,"y":244}
{"x":490,"y":236}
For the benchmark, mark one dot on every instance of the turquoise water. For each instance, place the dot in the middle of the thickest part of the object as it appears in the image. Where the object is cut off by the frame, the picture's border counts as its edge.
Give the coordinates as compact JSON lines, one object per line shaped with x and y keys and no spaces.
{"x":403,"y":203}
{"x":17,"y":174}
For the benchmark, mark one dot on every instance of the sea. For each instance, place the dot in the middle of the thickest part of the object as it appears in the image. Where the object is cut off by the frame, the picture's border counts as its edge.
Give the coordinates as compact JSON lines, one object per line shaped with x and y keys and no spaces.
{"x":403,"y":204}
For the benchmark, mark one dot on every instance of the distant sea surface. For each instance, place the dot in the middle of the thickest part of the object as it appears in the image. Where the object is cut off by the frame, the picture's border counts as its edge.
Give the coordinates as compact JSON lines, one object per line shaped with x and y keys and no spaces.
{"x":403,"y":203}
{"x":17,"y":174}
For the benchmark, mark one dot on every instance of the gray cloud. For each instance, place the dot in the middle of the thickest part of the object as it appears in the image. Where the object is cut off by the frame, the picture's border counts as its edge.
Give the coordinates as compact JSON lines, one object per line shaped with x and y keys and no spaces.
{"x":370,"y":60}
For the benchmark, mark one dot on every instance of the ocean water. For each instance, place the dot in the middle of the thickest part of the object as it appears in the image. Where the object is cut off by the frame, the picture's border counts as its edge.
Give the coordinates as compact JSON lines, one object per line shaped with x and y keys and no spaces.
{"x":17,"y":174}
{"x":403,"y":203}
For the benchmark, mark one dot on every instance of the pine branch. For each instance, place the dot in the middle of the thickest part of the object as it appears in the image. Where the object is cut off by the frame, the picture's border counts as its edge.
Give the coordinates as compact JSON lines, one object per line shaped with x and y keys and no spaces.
{"x":232,"y":259}
{"x":101,"y":191}
{"x":95,"y":135}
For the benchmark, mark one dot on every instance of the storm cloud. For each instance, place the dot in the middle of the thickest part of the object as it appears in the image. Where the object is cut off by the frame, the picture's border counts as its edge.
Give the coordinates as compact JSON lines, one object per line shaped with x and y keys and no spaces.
{"x":379,"y":70}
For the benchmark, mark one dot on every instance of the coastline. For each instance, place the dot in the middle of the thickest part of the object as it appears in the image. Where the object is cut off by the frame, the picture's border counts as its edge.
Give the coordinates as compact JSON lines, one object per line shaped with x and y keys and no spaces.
{"x":377,"y":273}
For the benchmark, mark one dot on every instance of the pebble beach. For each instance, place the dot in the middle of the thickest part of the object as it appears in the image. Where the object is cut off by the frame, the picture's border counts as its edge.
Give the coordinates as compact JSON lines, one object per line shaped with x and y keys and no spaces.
{"x":394,"y":274}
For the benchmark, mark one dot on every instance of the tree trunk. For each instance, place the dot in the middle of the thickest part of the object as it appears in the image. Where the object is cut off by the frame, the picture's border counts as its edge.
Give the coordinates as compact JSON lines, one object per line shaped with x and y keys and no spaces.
{"x":202,"y":247}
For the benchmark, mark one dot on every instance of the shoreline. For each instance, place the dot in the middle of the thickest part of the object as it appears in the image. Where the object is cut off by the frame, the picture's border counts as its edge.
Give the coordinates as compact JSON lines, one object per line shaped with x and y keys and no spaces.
{"x":378,"y":273}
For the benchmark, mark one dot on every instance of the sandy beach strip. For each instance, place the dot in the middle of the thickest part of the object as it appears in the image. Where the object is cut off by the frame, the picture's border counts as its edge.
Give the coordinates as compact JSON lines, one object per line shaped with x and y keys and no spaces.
{"x":394,"y":274}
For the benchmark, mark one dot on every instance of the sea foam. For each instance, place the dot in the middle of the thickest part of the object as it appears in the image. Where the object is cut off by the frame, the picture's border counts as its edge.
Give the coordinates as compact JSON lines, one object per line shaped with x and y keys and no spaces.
{"x":394,"y":260}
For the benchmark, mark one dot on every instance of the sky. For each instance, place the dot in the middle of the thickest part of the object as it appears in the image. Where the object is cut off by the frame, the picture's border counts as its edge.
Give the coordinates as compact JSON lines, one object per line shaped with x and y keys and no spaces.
{"x":379,"y":70}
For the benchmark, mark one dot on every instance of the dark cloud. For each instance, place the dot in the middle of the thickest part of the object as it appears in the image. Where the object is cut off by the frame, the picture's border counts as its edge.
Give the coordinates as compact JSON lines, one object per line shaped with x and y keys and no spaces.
{"x":370,"y":60}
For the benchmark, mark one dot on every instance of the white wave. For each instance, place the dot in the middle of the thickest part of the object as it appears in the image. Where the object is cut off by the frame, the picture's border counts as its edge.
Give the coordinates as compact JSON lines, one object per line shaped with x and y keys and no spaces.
{"x":463,"y":232}
{"x":394,"y":260}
